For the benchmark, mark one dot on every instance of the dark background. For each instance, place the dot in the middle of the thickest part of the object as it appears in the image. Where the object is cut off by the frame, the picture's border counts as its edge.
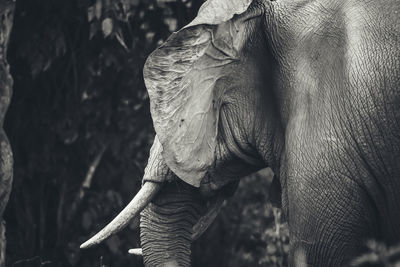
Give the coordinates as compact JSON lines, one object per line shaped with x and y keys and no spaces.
{"x":80,"y":128}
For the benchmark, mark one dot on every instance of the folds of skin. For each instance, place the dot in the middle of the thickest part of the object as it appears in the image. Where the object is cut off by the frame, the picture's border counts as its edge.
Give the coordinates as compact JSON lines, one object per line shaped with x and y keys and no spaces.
{"x":176,"y":216}
{"x":166,"y":225}
{"x":339,"y":91}
{"x":336,"y":85}
{"x":204,"y":85}
{"x":333,"y":133}
{"x":6,"y":82}
{"x":185,"y":78}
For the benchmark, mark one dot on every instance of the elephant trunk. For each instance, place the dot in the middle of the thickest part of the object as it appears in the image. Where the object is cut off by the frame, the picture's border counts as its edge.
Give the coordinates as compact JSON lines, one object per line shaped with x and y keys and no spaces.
{"x":167,"y":225}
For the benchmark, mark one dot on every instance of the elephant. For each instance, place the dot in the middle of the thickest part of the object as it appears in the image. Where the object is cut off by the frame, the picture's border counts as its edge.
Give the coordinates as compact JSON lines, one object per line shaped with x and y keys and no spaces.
{"x":309,"y":88}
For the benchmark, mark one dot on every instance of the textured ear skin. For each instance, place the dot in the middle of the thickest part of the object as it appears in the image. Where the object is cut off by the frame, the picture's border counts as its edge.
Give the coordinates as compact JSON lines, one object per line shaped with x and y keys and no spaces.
{"x":214,"y":12}
{"x":183,"y":78}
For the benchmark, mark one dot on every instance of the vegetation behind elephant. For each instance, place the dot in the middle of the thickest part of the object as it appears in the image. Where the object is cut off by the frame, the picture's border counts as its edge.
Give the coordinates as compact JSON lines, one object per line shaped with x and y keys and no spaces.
{"x":309,"y":89}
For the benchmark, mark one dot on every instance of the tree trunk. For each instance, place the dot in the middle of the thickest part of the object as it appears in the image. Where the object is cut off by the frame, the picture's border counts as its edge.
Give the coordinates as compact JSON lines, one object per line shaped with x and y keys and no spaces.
{"x":6,"y":82}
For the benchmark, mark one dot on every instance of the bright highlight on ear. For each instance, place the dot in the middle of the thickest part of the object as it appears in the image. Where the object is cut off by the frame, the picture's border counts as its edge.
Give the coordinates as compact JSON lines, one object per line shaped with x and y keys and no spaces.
{"x":214,"y":12}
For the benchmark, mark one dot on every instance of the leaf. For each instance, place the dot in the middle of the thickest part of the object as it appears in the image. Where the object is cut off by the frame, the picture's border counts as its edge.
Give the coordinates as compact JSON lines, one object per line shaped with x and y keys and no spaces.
{"x":90,"y":13}
{"x":107,"y":26}
{"x":121,"y":41}
{"x":172,"y":24}
{"x":98,"y":7}
{"x":94,"y":28}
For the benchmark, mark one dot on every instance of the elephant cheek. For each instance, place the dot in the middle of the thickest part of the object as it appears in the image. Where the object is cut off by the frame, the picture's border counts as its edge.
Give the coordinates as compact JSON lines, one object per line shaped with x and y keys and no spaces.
{"x":166,"y":227}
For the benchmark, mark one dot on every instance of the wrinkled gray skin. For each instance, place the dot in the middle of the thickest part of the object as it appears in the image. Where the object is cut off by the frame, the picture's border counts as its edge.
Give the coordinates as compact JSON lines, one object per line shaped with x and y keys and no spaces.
{"x":326,"y":120}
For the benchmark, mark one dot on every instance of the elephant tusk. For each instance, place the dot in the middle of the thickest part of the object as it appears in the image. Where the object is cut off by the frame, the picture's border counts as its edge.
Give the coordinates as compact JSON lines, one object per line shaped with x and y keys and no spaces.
{"x":137,"y":204}
{"x":205,"y":221}
{"x":136,"y":251}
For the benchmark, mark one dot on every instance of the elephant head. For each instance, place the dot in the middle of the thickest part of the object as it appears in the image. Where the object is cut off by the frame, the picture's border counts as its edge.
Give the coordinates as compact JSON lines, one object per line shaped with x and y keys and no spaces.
{"x":209,"y":94}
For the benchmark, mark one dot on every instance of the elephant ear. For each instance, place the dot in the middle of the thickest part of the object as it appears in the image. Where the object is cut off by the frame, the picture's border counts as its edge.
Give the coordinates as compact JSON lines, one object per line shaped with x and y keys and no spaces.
{"x":183,"y":78}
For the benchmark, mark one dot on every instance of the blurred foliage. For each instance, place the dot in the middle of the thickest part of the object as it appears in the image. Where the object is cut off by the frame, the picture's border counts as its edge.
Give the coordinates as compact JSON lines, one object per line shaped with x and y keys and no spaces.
{"x":379,"y":254}
{"x":79,"y":123}
{"x":248,"y":231}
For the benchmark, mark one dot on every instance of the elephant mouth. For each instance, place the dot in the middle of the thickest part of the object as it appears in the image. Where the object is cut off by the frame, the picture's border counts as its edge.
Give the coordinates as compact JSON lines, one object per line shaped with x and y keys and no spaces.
{"x":139,"y":202}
